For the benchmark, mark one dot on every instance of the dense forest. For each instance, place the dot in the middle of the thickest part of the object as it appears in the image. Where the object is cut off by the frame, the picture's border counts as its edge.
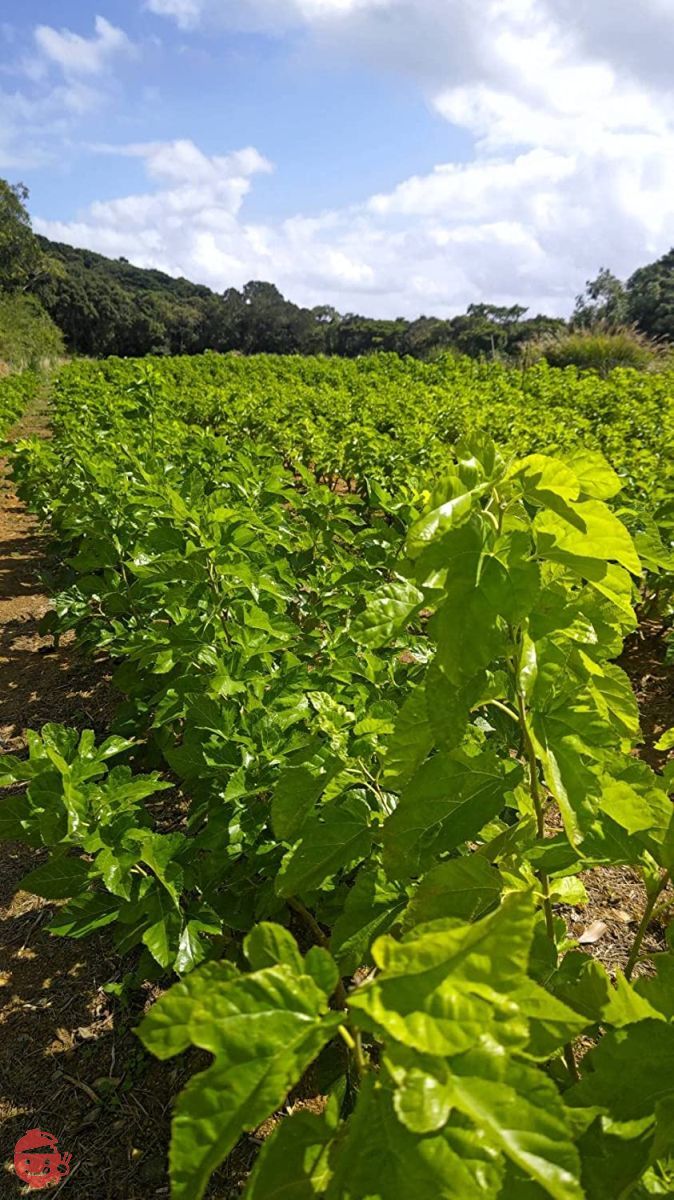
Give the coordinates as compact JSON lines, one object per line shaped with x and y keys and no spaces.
{"x":111,"y":307}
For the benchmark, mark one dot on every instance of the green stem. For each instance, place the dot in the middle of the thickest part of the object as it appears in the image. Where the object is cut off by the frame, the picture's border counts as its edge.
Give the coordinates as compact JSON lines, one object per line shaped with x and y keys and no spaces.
{"x":643,"y":926}
{"x":503,"y":708}
{"x":569,"y":1056}
{"x":538,"y":808}
{"x":361,"y":1065}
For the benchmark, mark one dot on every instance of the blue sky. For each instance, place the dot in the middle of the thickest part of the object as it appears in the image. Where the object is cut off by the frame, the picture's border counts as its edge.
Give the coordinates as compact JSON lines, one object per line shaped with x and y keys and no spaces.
{"x":387,"y":156}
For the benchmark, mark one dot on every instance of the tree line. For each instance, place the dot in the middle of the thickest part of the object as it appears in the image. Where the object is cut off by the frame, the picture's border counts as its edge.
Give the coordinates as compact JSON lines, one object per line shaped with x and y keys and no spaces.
{"x":106,"y":306}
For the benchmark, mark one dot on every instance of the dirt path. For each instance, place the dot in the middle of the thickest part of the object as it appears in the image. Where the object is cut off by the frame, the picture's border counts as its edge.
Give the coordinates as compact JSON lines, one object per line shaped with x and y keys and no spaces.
{"x":69,"y":1061}
{"x":68,"y":1064}
{"x":37,"y":684}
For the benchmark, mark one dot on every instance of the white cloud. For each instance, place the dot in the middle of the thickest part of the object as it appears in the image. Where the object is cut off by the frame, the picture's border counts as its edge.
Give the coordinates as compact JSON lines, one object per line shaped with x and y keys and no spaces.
{"x":77,"y":55}
{"x":570,"y":107}
{"x":265,"y":15}
{"x":62,"y":79}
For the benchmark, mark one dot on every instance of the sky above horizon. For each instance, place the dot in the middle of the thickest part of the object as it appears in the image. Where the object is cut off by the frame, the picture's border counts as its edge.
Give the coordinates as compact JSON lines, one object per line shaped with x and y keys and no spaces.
{"x":389,"y":157}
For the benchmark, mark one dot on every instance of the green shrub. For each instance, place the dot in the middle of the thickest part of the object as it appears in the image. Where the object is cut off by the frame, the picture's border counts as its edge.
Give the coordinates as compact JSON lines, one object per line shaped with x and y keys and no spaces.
{"x":598,"y":350}
{"x":28,"y":336}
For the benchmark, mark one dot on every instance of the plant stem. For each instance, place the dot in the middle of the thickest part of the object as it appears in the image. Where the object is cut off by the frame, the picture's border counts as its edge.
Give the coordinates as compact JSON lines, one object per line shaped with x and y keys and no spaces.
{"x":361,"y":1065}
{"x":320,"y":938}
{"x":309,"y":920}
{"x":503,"y":707}
{"x":538,"y":808}
{"x":528,"y":745}
{"x":643,"y":926}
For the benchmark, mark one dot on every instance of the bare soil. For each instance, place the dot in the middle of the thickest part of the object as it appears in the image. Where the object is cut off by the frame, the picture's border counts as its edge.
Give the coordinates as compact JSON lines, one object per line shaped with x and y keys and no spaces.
{"x":69,"y":1060}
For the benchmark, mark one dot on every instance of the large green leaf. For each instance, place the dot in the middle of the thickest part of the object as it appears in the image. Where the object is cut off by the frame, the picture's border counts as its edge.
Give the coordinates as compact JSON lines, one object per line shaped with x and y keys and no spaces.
{"x":334,"y":837}
{"x":295,"y":795}
{"x":546,"y":480}
{"x":522,"y":1114}
{"x":597,"y":479}
{"x":629,"y":1072}
{"x":57,"y":879}
{"x":464,"y":887}
{"x":387,"y":613}
{"x":379,"y":1159}
{"x":450,"y":799}
{"x":263,"y":1029}
{"x":410,"y":742}
{"x":439,"y":521}
{"x":294,"y":1162}
{"x":446,"y":985}
{"x":586,"y":542}
{"x":373,"y":905}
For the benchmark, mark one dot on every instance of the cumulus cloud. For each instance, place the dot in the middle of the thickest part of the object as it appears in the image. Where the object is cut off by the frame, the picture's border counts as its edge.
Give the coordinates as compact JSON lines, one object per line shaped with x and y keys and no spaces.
{"x":63,"y":78}
{"x":188,"y":223}
{"x":77,"y":55}
{"x":571,"y":111}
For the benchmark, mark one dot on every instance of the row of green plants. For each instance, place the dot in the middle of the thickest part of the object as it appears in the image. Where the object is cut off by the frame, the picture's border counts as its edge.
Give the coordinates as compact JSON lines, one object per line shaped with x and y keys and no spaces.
{"x":16,"y":391}
{"x":400,"y":737}
{"x":382,"y":419}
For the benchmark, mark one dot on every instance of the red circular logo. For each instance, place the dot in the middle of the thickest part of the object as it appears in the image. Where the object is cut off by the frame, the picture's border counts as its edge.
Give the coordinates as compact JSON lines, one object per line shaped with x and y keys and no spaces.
{"x":37,"y":1160}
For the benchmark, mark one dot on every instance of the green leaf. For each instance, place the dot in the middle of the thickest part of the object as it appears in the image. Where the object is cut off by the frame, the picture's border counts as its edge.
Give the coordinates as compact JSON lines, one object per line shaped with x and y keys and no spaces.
{"x":447,"y":985}
{"x":295,"y":794}
{"x":616,"y":585}
{"x":454,"y":512}
{"x":658,"y":989}
{"x":263,"y":1029}
{"x":83,"y":915}
{"x":522,"y":1114}
{"x":336,"y":836}
{"x":14,"y":818}
{"x":378,"y":1158}
{"x":12,"y":770}
{"x":163,"y":929}
{"x":666,"y":740}
{"x":322,"y":968}
{"x":57,"y":879}
{"x":410,"y":743}
{"x":466,"y":625}
{"x":270,"y":945}
{"x":293,"y":1163}
{"x":629,"y":1072}
{"x":158,"y":851}
{"x":450,"y":799}
{"x":192,"y":947}
{"x":465,"y":888}
{"x":613,"y":1161}
{"x":595,"y":537}
{"x":546,"y":480}
{"x":387,"y":613}
{"x":371,"y":908}
{"x":567,"y":776}
{"x":113,"y":746}
{"x":597,"y":479}
{"x":551,"y":1022}
{"x":511,"y":577}
{"x":448,"y":706}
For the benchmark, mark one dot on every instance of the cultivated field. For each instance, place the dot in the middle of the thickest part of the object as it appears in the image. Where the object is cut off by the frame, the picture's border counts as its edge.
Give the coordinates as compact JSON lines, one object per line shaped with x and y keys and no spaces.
{"x":338,"y":818}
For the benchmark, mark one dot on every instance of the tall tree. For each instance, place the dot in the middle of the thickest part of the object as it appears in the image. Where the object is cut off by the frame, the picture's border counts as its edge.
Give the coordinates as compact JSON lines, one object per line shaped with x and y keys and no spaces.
{"x":21,"y":259}
{"x":650,"y":296}
{"x":604,"y":302}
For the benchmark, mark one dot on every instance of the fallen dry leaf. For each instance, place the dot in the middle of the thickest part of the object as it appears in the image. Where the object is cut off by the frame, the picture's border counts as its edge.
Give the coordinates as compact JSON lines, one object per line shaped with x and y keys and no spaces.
{"x":593,"y":933}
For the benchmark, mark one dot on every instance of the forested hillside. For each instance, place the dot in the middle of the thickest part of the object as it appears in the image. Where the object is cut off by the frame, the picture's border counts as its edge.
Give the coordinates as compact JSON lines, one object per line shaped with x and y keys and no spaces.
{"x":106,"y":306}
